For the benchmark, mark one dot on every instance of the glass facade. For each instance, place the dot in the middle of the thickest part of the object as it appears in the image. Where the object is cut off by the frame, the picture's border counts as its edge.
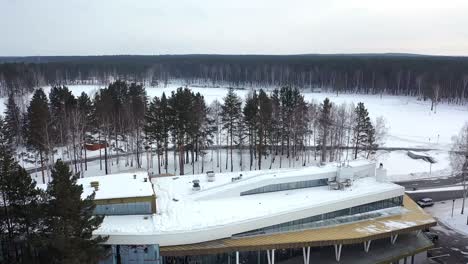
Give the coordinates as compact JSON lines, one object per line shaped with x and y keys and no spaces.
{"x":286,"y":186}
{"x":250,"y":257}
{"x":351,"y":214}
{"x":137,"y":254}
{"x":123,"y":208}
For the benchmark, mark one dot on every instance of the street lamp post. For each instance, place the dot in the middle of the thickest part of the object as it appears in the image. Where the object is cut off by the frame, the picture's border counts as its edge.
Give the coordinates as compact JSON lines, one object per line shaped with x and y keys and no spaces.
{"x":453,"y":205}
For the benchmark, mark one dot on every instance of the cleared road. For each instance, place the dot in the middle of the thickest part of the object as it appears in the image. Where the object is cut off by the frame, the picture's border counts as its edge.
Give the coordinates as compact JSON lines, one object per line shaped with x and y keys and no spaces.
{"x":431,"y":183}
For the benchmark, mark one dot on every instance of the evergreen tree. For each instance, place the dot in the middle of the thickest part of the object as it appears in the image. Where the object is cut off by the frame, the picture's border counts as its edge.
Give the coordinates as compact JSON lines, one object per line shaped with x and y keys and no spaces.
{"x":13,"y":121}
{"x":70,"y":221}
{"x":291,"y":103}
{"x":137,"y":103}
{"x":103,"y":121}
{"x":62,"y":102}
{"x":21,"y":213}
{"x":372,"y":144}
{"x":264,"y":124}
{"x":231,"y":117}
{"x":38,"y":127}
{"x":250,"y":120}
{"x":181,"y":110}
{"x":325,"y":123}
{"x":165,"y":127}
{"x":203,"y":129}
{"x":85,"y":110}
{"x":154,"y":126}
{"x":276,"y":131}
{"x":364,"y":133}
{"x":215,"y":117}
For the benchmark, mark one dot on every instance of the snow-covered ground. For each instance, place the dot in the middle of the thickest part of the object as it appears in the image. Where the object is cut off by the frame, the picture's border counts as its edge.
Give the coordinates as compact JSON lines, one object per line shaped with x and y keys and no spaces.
{"x":410,"y":121}
{"x":202,"y":165}
{"x":443,"y":212}
{"x":400,"y":167}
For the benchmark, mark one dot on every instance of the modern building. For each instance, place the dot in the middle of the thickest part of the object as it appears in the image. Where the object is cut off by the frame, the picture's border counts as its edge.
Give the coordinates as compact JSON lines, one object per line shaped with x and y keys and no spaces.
{"x":330,"y":214}
{"x":121,"y":194}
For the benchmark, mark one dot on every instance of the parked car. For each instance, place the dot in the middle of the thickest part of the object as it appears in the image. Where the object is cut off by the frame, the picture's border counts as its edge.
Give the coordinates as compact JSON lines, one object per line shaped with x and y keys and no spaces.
{"x":432,"y":236}
{"x":425,"y":202}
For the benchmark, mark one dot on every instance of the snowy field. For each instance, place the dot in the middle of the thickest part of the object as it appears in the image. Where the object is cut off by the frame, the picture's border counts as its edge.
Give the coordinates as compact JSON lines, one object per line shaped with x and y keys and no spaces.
{"x":411,"y":125}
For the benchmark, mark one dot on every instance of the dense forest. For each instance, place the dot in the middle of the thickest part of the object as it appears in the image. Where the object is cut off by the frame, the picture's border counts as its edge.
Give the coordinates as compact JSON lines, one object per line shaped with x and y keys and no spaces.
{"x":434,"y":78}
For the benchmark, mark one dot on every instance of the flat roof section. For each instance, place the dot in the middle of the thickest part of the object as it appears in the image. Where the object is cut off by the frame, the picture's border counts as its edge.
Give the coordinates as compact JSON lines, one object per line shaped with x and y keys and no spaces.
{"x":218,"y":211}
{"x":115,"y":186}
{"x":122,"y":185}
{"x":414,"y":219}
{"x":180,"y":209}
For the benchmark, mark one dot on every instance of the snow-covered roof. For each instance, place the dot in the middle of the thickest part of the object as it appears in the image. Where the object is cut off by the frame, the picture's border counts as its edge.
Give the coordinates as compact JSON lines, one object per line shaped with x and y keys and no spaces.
{"x":186,"y":216}
{"x":112,"y":186}
{"x":122,"y":185}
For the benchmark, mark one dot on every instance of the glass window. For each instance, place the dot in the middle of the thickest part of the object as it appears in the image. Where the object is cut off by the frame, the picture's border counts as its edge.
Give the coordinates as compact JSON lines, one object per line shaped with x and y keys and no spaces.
{"x":352,"y":214}
{"x":123,"y":208}
{"x":286,"y":186}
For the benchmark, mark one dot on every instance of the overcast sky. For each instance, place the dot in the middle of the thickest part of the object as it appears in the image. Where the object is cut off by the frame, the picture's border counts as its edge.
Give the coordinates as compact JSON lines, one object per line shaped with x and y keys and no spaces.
{"x":97,"y":27}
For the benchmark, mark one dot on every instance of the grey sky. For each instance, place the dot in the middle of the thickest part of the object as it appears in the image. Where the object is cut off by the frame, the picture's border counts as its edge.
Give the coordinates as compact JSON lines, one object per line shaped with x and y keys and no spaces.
{"x":95,"y":27}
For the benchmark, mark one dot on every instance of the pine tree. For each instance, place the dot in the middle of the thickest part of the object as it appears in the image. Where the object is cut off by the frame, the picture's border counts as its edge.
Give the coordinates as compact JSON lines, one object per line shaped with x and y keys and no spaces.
{"x":154,"y":126}
{"x":70,"y":221}
{"x":264,"y":124}
{"x":181,"y":111}
{"x":276,"y":131}
{"x":13,"y":121}
{"x":62,"y":102}
{"x":21,"y":211}
{"x":38,"y":127}
{"x":85,"y":109}
{"x":215,"y":116}
{"x":372,"y":144}
{"x":165,"y":128}
{"x":325,"y":123}
{"x":231,"y":117}
{"x":204,"y":129}
{"x":250,"y":119}
{"x":364,"y":133}
{"x":137,"y":104}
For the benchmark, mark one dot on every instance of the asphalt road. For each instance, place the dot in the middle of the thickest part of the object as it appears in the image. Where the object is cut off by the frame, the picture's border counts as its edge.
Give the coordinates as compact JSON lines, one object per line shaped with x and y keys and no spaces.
{"x":437,"y":196}
{"x":450,"y":243}
{"x":431,"y":183}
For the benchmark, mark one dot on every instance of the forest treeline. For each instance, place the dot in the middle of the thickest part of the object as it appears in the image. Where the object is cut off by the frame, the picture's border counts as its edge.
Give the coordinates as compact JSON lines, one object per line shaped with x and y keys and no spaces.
{"x":434,"y":78}
{"x":278,"y":124}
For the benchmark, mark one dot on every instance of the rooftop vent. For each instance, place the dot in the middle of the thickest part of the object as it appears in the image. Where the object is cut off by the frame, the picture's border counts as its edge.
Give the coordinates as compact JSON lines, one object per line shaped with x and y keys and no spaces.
{"x":95,"y":185}
{"x":134,"y":176}
{"x":210,"y":175}
{"x":196,"y":185}
{"x":381,"y":173}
